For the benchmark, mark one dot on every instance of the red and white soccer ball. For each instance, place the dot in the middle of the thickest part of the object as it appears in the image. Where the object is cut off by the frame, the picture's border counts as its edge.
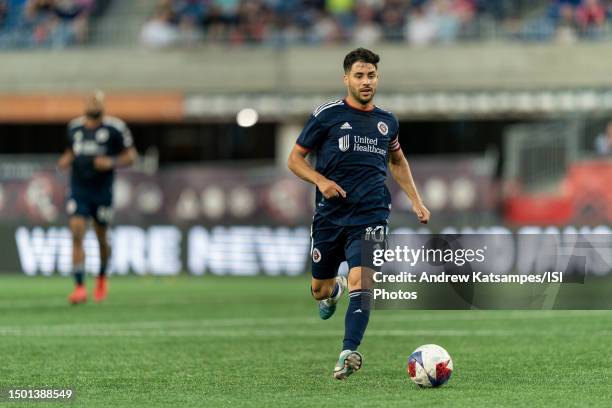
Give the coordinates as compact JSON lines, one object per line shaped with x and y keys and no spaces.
{"x":430,"y":366}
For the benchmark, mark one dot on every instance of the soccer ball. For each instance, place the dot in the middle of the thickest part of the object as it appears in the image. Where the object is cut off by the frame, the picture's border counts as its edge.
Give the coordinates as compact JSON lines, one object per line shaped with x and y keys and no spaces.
{"x":429,"y":366}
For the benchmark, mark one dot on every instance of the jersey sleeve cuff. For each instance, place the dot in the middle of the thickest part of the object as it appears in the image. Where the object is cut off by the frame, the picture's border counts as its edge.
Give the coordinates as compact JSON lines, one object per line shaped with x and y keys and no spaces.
{"x":304,"y":147}
{"x":394,"y":144}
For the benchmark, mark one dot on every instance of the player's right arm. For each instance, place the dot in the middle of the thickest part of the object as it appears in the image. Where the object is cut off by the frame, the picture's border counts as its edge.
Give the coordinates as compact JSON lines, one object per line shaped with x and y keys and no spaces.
{"x":311,"y":137}
{"x":298,"y":164}
{"x":65,"y":159}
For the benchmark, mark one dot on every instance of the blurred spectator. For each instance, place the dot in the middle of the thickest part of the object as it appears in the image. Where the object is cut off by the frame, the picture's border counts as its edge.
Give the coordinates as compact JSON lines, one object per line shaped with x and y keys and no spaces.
{"x":505,"y":11}
{"x":590,"y":16}
{"x":464,"y":10}
{"x":227,"y":8}
{"x":253,"y":22}
{"x":160,"y":32}
{"x":55,"y":23}
{"x":603,"y":142}
{"x":193,"y":9}
{"x":366,"y":32}
{"x":576,"y":19}
{"x":446,"y":19}
{"x":325,"y":30}
{"x":393,"y":19}
{"x":74,"y":14}
{"x":189,"y":31}
{"x":420,"y":29}
{"x":44,"y":23}
{"x":567,"y":30}
{"x":337,"y":7}
{"x":3,"y":13}
{"x":216,"y":24}
{"x":343,"y":11}
{"x":189,"y":15}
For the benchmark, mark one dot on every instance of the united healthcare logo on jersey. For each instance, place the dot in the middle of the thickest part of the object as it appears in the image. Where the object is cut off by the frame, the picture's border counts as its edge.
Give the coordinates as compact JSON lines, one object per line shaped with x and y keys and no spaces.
{"x":344,"y":143}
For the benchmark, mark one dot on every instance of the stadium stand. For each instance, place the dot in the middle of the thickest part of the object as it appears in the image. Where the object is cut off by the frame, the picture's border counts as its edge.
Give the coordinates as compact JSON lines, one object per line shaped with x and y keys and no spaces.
{"x":366,"y":22}
{"x":185,"y":23}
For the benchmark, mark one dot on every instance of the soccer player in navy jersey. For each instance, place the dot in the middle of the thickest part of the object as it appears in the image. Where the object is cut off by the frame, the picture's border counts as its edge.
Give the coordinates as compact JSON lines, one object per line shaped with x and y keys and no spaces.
{"x":97,"y":145}
{"x":355,"y":143}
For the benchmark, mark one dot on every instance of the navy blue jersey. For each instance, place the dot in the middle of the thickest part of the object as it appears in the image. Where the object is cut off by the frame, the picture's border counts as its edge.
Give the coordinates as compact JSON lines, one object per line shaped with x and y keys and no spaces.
{"x":108,"y":139}
{"x":351,"y":146}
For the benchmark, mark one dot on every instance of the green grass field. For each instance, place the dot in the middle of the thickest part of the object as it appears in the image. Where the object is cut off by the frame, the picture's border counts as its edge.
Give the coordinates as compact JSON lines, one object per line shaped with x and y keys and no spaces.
{"x":232,"y":342}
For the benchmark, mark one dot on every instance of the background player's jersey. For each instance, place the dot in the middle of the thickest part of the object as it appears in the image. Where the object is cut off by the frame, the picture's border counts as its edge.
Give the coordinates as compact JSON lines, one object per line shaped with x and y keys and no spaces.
{"x":352,"y":147}
{"x":109,"y":139}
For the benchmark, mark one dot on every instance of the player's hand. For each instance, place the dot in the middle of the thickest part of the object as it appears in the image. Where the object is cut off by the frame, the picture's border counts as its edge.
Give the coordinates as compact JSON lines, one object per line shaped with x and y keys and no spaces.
{"x":65,"y":160}
{"x":104,"y":163}
{"x":421,"y":212}
{"x":330,"y":189}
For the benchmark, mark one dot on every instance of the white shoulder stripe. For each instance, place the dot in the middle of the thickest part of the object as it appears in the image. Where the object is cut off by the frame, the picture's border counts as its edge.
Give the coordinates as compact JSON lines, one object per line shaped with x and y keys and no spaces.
{"x":330,"y":105}
{"x":114,"y":122}
{"x":76,"y":122}
{"x":323,"y":105}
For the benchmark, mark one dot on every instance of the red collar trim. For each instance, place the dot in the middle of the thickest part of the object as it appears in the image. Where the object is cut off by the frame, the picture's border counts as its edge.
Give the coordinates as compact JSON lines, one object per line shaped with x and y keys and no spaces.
{"x":346,"y":102}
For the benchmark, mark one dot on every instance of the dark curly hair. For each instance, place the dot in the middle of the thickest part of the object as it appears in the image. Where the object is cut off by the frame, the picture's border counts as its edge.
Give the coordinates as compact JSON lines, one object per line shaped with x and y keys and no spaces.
{"x":360,"y":54}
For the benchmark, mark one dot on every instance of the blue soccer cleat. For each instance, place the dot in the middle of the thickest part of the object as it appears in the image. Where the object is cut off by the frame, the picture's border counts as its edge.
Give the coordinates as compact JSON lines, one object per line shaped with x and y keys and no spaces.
{"x":327,"y":307}
{"x":348,"y":363}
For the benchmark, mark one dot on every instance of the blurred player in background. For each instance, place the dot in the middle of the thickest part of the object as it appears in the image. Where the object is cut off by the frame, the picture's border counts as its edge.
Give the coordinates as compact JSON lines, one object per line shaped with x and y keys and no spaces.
{"x":355,"y":142}
{"x":97,"y":145}
{"x":603,"y":142}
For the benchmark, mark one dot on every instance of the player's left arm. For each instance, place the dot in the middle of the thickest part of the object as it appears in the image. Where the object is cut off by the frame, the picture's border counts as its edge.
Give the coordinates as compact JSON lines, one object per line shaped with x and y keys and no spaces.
{"x":125,"y":159}
{"x":400,"y":170}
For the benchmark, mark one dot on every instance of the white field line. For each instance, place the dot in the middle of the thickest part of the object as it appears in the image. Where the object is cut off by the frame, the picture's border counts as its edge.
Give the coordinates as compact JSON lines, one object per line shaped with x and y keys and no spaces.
{"x":61,"y":303}
{"x":378,"y":316}
{"x":223,"y":334}
{"x":286,"y":326}
{"x":244,"y":333}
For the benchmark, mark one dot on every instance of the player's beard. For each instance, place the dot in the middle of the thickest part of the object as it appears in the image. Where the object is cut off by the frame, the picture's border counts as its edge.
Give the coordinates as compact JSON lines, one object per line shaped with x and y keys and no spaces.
{"x":357,"y":95}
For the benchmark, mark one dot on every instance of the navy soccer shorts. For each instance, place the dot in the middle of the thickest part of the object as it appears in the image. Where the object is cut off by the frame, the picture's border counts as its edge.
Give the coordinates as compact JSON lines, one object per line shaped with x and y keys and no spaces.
{"x":91,"y":205}
{"x":333,"y":244}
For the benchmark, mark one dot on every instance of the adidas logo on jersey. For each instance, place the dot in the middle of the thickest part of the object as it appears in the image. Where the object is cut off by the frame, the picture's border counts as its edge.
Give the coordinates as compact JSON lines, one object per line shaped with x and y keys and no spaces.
{"x":346,"y":126}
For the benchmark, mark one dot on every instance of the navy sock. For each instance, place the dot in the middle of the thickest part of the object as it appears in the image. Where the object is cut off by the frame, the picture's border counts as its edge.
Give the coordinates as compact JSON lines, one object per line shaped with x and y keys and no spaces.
{"x":356,"y":319}
{"x":79,"y":274}
{"x":103,"y":266}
